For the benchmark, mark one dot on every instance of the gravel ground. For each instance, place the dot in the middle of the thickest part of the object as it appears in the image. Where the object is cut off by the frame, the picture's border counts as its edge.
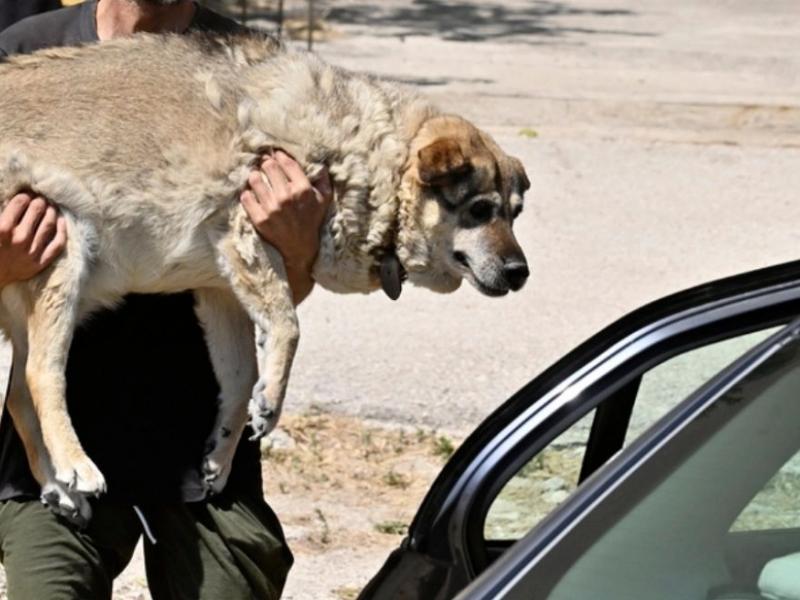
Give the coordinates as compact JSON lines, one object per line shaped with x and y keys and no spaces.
{"x":663,"y":143}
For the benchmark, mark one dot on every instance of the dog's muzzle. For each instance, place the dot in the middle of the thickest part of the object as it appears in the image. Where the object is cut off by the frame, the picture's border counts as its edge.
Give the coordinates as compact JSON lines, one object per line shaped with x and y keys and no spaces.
{"x":392,"y":275}
{"x":516,"y":274}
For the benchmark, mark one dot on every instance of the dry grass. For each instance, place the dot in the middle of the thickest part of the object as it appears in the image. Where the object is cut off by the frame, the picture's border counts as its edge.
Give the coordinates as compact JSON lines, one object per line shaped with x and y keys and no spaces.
{"x":338,"y":481}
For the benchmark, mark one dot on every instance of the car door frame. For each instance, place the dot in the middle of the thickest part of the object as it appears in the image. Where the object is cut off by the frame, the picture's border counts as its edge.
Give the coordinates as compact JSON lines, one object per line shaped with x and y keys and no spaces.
{"x":501,"y":579}
{"x":448,"y":528}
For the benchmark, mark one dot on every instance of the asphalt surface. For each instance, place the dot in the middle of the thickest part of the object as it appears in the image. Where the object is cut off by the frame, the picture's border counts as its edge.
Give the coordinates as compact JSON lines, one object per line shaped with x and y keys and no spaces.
{"x":667,"y":153}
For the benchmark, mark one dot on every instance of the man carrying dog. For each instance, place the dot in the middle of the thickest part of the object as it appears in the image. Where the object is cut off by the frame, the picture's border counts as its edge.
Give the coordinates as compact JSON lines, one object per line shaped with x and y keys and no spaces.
{"x":139,"y":377}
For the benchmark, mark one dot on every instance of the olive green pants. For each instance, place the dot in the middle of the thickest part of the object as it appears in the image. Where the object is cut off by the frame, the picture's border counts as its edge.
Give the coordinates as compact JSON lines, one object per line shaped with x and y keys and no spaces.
{"x":226,"y":548}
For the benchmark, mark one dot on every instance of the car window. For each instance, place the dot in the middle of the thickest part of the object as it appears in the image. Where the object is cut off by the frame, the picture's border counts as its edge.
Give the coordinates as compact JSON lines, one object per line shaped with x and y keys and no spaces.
{"x":668,"y":383}
{"x":550,"y":476}
{"x":777,"y":504}
{"x":541,"y":485}
{"x":664,"y":532}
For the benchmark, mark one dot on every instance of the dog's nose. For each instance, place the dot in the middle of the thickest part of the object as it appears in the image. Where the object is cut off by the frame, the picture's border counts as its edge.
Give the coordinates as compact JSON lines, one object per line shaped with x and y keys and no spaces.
{"x":516,"y":273}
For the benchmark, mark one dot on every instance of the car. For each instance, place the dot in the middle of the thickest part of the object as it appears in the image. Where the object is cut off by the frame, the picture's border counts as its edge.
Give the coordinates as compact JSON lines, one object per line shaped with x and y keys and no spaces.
{"x":658,"y":460}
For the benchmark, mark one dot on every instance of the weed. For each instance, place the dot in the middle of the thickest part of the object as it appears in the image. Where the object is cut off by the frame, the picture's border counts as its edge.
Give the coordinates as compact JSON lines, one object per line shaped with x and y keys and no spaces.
{"x":422,"y":435}
{"x":315,"y":446}
{"x":391,"y":527}
{"x":369,"y":443}
{"x":315,"y":410}
{"x":396,"y":480}
{"x":366,"y":437}
{"x":346,"y":592}
{"x":325,"y":538}
{"x":443,"y":447}
{"x":401,"y":442}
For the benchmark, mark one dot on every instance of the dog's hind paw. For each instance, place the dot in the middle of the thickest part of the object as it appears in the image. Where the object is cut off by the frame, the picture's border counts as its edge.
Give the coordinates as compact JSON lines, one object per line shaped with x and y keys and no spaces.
{"x":215,"y":475}
{"x":263,"y":418}
{"x":72,"y":506}
{"x":83,"y":477}
{"x":262,"y":424}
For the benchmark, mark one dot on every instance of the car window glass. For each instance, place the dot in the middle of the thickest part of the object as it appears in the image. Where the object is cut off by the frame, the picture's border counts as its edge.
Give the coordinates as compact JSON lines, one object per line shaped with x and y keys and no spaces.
{"x":777,"y":505}
{"x":666,"y":384}
{"x":545,"y":481}
{"x":541,"y":485}
{"x":664,"y":533}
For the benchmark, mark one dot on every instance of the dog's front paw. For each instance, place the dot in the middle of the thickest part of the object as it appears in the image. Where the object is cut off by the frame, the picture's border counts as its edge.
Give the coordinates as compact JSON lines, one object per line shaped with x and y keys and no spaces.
{"x":82,"y":476}
{"x":73,"y":506}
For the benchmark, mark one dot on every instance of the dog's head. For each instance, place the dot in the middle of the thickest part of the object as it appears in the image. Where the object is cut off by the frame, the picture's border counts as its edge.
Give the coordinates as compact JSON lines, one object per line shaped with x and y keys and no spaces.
{"x":465,"y":194}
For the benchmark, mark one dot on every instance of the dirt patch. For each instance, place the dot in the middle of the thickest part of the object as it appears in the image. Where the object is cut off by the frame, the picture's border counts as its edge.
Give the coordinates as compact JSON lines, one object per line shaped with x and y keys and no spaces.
{"x":338,"y":482}
{"x":345,"y":491}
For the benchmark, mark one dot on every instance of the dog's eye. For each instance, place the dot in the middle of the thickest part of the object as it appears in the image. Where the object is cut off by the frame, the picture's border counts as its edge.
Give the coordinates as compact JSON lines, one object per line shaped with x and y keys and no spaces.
{"x":515,"y":212}
{"x":481,"y":211}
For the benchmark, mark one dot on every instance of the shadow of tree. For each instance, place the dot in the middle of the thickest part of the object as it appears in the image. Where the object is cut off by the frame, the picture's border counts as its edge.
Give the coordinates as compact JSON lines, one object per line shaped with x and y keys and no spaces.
{"x":471,"y":21}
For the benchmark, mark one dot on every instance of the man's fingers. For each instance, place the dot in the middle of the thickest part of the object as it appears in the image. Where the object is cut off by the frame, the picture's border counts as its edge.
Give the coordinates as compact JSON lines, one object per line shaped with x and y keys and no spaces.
{"x":57,"y":244}
{"x":262,"y":192}
{"x":251,"y":205}
{"x":324,"y":186}
{"x":299,"y":179}
{"x":45,"y":231}
{"x":26,"y":228}
{"x":254,"y":209}
{"x":278,"y":180}
{"x":290,"y":166}
{"x":12,"y":213}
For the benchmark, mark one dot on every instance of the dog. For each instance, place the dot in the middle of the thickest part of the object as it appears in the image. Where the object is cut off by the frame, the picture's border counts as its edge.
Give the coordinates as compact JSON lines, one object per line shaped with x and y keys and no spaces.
{"x":145,"y":143}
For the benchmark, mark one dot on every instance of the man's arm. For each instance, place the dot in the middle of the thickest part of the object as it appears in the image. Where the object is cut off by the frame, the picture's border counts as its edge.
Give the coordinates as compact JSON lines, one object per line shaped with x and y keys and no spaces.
{"x":288,"y":211}
{"x":32,"y":235}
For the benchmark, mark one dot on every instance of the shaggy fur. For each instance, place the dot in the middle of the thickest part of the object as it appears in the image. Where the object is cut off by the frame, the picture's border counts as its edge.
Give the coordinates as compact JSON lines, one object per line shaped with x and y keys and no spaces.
{"x":145,"y":144}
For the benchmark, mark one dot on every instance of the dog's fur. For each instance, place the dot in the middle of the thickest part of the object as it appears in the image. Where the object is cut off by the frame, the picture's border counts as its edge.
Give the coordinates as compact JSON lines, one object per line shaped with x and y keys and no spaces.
{"x":145,"y":144}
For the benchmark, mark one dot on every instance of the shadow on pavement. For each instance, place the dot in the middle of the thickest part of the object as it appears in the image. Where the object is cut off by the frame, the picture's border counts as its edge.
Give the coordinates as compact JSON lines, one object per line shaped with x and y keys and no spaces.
{"x":472,"y":21}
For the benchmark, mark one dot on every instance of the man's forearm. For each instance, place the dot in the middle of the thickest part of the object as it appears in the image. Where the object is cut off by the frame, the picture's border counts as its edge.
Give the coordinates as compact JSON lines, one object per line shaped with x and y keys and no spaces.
{"x":301,"y":283}
{"x":288,"y":210}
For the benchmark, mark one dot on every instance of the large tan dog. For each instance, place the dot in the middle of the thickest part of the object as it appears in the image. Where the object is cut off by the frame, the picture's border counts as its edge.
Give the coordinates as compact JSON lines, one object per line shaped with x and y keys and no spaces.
{"x":145,"y":144}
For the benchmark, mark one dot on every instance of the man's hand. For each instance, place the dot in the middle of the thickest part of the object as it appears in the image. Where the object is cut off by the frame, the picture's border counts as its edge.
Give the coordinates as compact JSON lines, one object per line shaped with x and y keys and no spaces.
{"x":287,"y":211}
{"x":32,"y":235}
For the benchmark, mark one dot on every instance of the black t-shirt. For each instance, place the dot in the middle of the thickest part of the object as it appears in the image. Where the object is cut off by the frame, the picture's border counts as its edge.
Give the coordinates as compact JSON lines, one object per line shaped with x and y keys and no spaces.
{"x":141,"y":391}
{"x":12,"y":11}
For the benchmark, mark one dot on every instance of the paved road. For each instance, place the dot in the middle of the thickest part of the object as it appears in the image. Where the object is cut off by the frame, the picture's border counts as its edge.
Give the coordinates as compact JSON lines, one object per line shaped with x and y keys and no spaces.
{"x":668,"y":153}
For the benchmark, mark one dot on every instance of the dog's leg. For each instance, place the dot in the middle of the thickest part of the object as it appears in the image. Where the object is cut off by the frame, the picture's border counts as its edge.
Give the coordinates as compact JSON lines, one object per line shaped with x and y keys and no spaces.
{"x":230,"y":339}
{"x":258,"y":278}
{"x":50,"y":328}
{"x":71,"y":505}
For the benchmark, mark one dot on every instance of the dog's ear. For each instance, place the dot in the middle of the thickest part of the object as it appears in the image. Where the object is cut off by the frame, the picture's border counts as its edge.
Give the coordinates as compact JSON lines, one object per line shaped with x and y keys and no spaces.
{"x":520,"y":169}
{"x":441,"y":161}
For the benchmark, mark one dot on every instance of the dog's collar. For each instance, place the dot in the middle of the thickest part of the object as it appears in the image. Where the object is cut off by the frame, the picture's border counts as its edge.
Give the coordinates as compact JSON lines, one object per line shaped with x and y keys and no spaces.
{"x":392,"y":274}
